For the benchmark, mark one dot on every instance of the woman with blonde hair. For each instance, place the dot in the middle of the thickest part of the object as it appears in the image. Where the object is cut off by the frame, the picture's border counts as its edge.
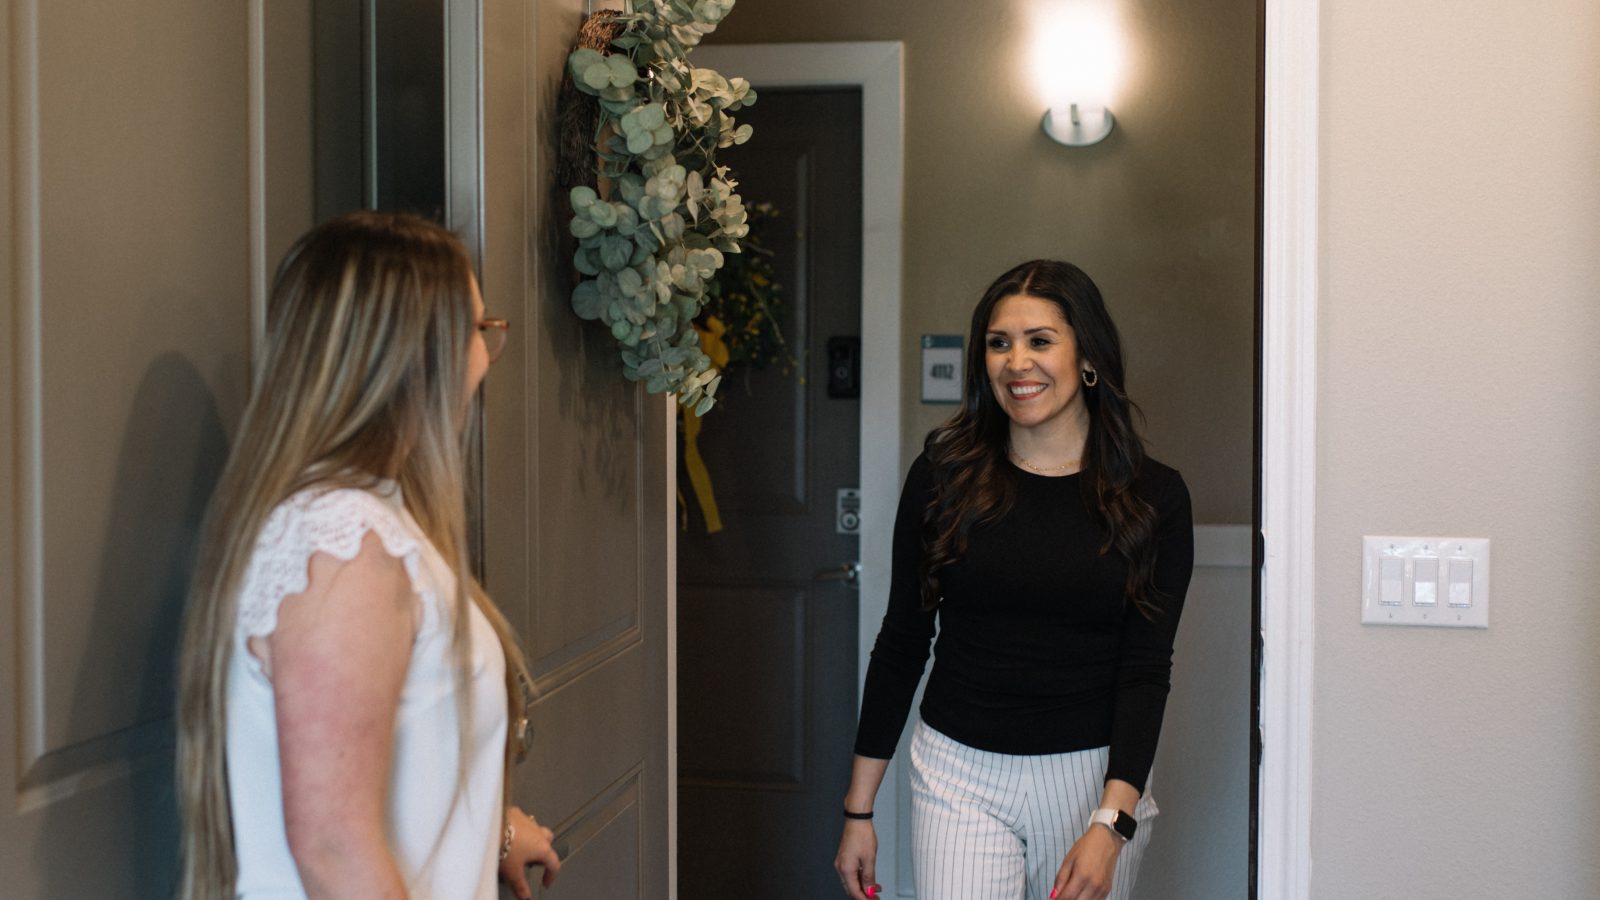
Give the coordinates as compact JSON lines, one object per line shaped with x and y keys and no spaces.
{"x":346,"y":685}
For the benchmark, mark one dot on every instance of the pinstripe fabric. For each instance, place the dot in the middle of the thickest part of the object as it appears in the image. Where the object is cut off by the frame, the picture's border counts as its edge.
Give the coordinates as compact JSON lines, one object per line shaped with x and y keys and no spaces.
{"x":992,"y":826}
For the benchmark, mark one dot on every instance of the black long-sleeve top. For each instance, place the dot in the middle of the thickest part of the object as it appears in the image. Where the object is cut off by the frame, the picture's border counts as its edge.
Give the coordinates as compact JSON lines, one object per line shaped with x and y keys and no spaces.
{"x":1037,"y":651}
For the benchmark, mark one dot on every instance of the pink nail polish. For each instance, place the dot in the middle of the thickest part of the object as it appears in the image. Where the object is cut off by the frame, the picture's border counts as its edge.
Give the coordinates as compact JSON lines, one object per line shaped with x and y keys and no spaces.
{"x":1053,"y":892}
{"x":872,"y":890}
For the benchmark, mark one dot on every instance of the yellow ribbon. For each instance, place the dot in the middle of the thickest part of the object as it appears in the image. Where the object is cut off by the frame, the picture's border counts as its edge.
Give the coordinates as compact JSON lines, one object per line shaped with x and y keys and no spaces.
{"x":712,"y":345}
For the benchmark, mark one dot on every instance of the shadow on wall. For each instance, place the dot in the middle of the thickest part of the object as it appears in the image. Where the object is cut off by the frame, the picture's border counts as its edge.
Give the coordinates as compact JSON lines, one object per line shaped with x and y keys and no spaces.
{"x":593,"y":393}
{"x":172,"y":452}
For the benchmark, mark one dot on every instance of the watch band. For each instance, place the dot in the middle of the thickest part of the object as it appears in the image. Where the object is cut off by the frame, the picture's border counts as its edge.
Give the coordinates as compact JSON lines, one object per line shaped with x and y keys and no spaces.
{"x":1120,"y":823}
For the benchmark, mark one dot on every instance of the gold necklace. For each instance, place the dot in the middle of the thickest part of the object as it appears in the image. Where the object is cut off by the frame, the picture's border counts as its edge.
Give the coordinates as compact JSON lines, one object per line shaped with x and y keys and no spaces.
{"x":1042,"y":470}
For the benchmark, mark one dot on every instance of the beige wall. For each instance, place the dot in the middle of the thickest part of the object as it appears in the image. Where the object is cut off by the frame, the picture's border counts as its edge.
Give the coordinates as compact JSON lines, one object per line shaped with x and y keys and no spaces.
{"x":1161,"y":215}
{"x":1459,"y":395}
{"x":142,"y":180}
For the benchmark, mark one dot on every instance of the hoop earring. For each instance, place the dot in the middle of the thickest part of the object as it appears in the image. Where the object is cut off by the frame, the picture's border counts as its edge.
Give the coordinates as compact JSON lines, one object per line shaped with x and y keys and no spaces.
{"x":1090,"y":377}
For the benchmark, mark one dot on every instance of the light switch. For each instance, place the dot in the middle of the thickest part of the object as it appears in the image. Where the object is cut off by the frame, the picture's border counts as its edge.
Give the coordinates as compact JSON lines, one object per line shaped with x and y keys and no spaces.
{"x":1461,"y":582}
{"x":1438,"y":582}
{"x":1393,"y":574}
{"x":1425,"y":581}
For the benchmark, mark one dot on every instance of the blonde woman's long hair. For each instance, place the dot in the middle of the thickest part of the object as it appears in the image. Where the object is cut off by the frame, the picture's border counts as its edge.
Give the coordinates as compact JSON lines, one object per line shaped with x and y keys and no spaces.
{"x":363,"y":376}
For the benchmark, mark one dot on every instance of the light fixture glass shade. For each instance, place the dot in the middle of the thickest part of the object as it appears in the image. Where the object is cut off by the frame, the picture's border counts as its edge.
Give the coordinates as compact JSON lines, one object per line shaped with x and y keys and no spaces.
{"x":1078,"y":125}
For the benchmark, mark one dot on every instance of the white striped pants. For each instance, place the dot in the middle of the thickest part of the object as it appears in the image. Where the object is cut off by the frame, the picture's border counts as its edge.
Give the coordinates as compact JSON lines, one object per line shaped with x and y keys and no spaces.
{"x":992,"y":826}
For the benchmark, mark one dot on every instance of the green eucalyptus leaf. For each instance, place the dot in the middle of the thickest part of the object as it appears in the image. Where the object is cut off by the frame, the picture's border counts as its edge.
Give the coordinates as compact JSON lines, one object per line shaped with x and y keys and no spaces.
{"x":672,"y":226}
{"x":581,"y":60}
{"x":620,"y":71}
{"x":584,"y":262}
{"x":586,"y":300}
{"x":596,"y":76}
{"x":583,"y":227}
{"x":652,"y":116}
{"x":614,"y":253}
{"x":631,"y":187}
{"x":582,"y":196}
{"x":709,"y":11}
{"x":630,"y":282}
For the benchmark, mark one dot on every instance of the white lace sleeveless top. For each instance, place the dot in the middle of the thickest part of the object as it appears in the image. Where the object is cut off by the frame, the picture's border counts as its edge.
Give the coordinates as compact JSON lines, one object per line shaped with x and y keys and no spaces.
{"x":446,"y":843}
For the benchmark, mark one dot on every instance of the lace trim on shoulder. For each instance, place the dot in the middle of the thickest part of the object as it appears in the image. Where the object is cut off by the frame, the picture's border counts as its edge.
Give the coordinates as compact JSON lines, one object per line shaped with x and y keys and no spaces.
{"x":334,"y":522}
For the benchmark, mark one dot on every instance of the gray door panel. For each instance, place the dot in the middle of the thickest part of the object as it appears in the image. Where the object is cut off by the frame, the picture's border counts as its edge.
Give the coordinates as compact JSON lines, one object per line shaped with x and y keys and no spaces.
{"x":575,"y":516}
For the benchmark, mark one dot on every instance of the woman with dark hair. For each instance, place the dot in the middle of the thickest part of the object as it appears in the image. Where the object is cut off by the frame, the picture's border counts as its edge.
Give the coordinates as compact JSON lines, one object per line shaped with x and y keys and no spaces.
{"x":1053,"y":555}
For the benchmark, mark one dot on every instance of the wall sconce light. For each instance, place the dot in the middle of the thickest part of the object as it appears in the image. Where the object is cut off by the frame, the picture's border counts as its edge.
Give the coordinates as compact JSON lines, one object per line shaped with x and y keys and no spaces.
{"x":1077,"y":125}
{"x":1077,"y":57}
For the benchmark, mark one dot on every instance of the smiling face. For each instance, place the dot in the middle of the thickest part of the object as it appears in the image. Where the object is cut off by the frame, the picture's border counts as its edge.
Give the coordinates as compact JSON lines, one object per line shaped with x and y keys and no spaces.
{"x":1032,"y":361}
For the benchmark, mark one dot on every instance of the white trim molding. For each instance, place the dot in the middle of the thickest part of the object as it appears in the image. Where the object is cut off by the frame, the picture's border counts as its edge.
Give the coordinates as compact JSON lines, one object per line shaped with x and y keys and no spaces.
{"x":1289,"y":411}
{"x":877,"y":67}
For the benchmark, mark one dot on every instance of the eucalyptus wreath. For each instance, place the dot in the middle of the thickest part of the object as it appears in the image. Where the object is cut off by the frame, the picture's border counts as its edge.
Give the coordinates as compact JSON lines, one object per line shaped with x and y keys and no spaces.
{"x":653,"y":235}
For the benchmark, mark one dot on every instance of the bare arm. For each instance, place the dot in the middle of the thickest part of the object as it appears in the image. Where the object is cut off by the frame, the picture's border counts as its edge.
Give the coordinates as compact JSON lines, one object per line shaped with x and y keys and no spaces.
{"x":338,"y":660}
{"x":857,"y":861}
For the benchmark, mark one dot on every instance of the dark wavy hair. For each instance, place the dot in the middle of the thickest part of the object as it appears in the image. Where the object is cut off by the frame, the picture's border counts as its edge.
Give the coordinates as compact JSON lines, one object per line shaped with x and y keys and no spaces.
{"x":975,"y":483}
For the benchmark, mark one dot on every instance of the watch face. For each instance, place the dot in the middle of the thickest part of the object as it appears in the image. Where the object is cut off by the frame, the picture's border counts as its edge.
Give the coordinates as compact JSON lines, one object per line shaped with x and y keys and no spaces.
{"x":1124,"y":825}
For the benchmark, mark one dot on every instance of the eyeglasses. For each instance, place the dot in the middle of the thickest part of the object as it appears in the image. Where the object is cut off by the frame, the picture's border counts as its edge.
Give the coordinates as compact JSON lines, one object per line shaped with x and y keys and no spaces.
{"x":495,"y":332}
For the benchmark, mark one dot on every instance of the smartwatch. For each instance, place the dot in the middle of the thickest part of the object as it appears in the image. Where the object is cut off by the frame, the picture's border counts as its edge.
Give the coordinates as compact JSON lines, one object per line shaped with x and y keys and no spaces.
{"x":1120,"y":823}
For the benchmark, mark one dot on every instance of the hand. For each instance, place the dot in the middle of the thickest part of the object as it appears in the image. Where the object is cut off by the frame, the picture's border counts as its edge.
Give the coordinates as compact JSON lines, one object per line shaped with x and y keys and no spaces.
{"x":1086,"y":872}
{"x":858,"y":857}
{"x":530,"y":846}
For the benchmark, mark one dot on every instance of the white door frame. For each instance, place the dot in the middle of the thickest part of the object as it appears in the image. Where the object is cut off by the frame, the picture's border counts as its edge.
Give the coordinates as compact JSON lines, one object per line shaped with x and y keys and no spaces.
{"x":1289,"y":461}
{"x":1289,"y":364}
{"x":876,"y":67}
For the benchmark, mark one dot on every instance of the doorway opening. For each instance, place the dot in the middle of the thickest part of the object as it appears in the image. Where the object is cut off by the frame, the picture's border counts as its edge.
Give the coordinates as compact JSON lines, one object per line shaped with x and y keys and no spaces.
{"x":867,"y":75}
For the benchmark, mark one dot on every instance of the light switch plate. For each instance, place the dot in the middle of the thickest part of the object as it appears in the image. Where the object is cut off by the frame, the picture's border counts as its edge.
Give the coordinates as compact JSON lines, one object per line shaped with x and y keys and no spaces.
{"x":1458,"y":588}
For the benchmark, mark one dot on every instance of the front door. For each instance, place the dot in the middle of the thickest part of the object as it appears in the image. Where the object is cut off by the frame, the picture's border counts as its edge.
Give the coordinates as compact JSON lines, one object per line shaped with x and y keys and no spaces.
{"x":576,"y":523}
{"x":767,"y":607}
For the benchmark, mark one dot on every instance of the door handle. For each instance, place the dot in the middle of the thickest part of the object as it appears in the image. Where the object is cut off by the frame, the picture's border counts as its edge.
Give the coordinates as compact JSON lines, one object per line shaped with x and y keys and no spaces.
{"x":849,"y":573}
